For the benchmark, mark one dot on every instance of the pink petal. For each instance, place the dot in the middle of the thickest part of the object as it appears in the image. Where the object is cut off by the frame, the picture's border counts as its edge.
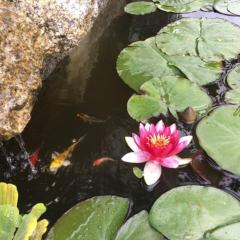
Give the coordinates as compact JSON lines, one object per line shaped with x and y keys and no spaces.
{"x":152,"y":129}
{"x":142,"y":131}
{"x":136,"y":139}
{"x":177,"y":149}
{"x":170,"y":162}
{"x":160,"y":126}
{"x":166,"y":131}
{"x":152,"y":172}
{"x":147,"y":127}
{"x":131,"y":143}
{"x":186,"y":140}
{"x":183,"y":161}
{"x":173,"y":128}
{"x":136,"y":157}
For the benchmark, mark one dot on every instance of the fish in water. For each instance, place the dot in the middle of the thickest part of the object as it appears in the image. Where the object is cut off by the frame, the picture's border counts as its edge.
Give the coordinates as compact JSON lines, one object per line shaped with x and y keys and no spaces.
{"x":62,"y":159}
{"x":100,"y":161}
{"x":90,"y":119}
{"x":34,"y":157}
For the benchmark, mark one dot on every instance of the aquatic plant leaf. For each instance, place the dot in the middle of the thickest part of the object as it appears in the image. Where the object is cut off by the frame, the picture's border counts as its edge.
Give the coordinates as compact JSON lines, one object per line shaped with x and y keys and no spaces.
{"x":41,"y":228}
{"x":138,"y":172}
{"x":29,"y":222}
{"x":233,"y":96}
{"x":227,"y":232}
{"x":138,"y":228}
{"x":217,"y":39}
{"x":218,"y":135}
{"x":140,"y":8}
{"x":222,"y":6}
{"x":173,"y":93}
{"x":182,"y":8}
{"x":8,"y":194}
{"x":94,"y":219}
{"x":234,"y":7}
{"x":141,"y":61}
{"x":9,"y":221}
{"x":233,"y":78}
{"x":174,"y":2}
{"x":188,"y":212}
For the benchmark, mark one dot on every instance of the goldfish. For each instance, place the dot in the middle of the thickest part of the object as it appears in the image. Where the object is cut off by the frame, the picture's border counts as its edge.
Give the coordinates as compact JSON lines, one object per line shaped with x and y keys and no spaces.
{"x":90,"y":119}
{"x":99,"y":161}
{"x":62,"y":159}
{"x":34,"y":157}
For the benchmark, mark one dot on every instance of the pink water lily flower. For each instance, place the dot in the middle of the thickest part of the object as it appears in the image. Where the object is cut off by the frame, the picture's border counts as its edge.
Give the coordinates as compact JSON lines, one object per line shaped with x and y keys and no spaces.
{"x":157,"y":145}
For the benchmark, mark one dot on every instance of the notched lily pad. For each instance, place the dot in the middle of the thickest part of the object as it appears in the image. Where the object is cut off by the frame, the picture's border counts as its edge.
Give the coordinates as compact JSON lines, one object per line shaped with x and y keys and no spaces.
{"x":218,"y":135}
{"x":233,"y":78}
{"x":140,"y":8}
{"x":189,"y":212}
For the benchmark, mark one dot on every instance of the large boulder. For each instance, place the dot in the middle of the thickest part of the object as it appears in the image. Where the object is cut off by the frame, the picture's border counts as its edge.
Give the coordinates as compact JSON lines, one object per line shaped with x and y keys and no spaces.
{"x":34,"y":36}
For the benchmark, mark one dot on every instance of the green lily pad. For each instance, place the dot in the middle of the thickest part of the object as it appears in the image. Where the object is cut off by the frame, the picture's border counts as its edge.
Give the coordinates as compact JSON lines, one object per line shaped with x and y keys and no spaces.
{"x":189,"y":212}
{"x":140,"y":8}
{"x":222,"y":6}
{"x":138,"y":172}
{"x":233,"y":96}
{"x":212,"y":40}
{"x":9,"y":221}
{"x":173,"y":93}
{"x":233,"y":78}
{"x":138,"y":228}
{"x":97,"y":218}
{"x":218,"y":135}
{"x":234,"y":7}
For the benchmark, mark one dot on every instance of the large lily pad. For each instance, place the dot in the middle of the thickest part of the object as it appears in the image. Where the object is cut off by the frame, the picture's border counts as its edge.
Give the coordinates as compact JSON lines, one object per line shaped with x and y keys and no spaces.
{"x":138,"y":228}
{"x":234,"y":7}
{"x":140,"y":8}
{"x":222,"y":6}
{"x":94,"y":219}
{"x":233,"y":78}
{"x":173,"y":93}
{"x":211,"y":39}
{"x":218,"y":135}
{"x":189,"y":212}
{"x":233,"y":96}
{"x":143,"y":61}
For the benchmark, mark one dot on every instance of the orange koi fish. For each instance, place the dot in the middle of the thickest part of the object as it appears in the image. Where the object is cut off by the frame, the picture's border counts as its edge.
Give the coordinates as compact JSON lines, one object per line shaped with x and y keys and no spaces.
{"x":100,"y":161}
{"x":34,"y":157}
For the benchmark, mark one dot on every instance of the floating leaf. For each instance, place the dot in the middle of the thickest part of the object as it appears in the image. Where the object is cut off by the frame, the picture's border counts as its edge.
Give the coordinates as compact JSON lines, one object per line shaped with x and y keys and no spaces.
{"x":210,"y":39}
{"x":233,"y":78}
{"x":138,"y":228}
{"x":140,"y":8}
{"x":94,"y":219}
{"x":137,"y":172}
{"x":188,"y":212}
{"x":169,"y":92}
{"x":9,"y":221}
{"x":233,"y":96}
{"x":222,"y":6}
{"x":234,"y":7}
{"x":218,"y":135}
{"x":8,"y":194}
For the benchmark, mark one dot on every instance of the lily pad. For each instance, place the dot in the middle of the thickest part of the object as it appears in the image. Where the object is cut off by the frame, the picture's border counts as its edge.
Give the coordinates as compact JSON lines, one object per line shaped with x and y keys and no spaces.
{"x":138,"y":228}
{"x":218,"y":135}
{"x":140,"y":8}
{"x":173,"y":93}
{"x":189,"y":212}
{"x":233,"y":78}
{"x":212,"y":40}
{"x":233,"y":96}
{"x":94,"y":219}
{"x":234,"y":7}
{"x":222,"y":7}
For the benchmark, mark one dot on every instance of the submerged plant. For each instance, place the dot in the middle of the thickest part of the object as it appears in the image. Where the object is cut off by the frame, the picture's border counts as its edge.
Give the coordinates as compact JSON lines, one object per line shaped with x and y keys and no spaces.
{"x":157,"y":145}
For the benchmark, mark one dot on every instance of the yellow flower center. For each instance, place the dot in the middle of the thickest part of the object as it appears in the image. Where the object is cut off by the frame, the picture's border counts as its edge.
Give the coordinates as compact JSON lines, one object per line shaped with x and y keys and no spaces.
{"x":159,"y":141}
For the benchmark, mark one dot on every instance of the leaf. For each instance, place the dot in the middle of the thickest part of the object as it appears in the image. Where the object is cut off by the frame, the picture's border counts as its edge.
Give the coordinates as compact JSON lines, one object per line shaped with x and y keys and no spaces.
{"x":9,"y":221}
{"x":234,"y":7}
{"x":171,"y":92}
{"x":212,"y":40}
{"x":138,"y":228}
{"x":40,"y":230}
{"x":142,"y":61}
{"x":140,"y":8}
{"x":218,"y":135}
{"x":233,"y":78}
{"x":222,"y":7}
{"x":137,"y":172}
{"x":188,"y":212}
{"x":233,"y":96}
{"x":29,"y":222}
{"x":8,"y":194}
{"x":94,"y":219}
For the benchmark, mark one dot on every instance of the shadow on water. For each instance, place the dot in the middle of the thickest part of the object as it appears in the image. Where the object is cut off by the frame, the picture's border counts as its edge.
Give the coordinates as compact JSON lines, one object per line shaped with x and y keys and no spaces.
{"x":93,"y":87}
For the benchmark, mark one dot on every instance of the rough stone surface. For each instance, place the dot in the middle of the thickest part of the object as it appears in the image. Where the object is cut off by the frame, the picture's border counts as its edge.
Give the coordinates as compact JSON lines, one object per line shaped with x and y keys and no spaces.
{"x":35,"y":36}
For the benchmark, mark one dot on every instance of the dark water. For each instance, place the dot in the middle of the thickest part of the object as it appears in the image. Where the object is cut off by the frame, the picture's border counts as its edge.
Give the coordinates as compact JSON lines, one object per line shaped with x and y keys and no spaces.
{"x":54,"y":126}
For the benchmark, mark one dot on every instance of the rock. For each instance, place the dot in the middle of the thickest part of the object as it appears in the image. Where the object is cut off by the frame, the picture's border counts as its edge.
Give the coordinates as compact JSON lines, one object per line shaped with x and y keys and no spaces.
{"x":35,"y":36}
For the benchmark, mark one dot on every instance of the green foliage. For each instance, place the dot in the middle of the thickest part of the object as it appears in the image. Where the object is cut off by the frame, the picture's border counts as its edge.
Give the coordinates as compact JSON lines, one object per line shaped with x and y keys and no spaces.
{"x":140,"y":8}
{"x":12,"y":225}
{"x":195,"y":212}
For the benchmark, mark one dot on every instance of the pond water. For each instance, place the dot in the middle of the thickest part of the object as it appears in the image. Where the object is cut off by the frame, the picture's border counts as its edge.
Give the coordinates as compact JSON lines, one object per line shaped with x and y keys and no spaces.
{"x":98,"y":91}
